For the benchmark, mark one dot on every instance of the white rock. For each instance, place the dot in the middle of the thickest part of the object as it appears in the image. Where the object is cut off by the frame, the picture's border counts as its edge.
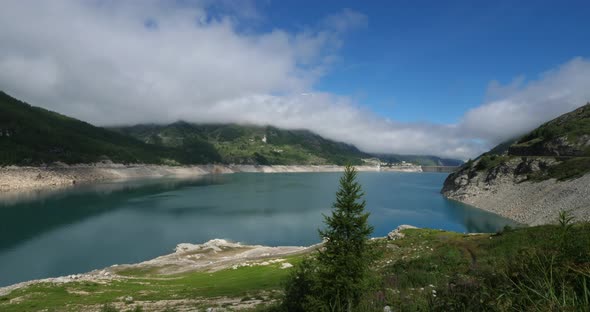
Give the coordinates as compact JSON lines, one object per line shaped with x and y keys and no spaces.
{"x":286,"y":265}
{"x":397,"y":233}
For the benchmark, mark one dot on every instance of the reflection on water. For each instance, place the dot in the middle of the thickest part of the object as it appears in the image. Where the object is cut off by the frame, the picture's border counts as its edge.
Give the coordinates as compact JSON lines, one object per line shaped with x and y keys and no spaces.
{"x":92,"y":226}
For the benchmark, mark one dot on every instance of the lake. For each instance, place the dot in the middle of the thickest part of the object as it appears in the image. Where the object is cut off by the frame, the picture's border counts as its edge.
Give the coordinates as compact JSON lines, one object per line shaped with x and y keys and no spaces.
{"x":54,"y":233}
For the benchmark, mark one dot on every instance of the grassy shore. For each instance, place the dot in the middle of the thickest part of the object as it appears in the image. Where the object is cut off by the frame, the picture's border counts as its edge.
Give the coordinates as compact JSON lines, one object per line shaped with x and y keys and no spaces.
{"x":426,"y":270}
{"x":151,"y":291}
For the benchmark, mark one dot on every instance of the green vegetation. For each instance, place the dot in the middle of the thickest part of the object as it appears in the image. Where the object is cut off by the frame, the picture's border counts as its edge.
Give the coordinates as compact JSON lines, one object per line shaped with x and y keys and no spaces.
{"x":566,"y":170}
{"x":345,"y":260}
{"x":517,"y":270}
{"x":486,"y":162}
{"x":564,"y":138}
{"x":337,"y":278}
{"x":34,"y":136}
{"x":573,"y":126}
{"x":502,"y":148}
{"x":241,"y":282}
{"x":244,"y":144}
{"x":542,"y":268}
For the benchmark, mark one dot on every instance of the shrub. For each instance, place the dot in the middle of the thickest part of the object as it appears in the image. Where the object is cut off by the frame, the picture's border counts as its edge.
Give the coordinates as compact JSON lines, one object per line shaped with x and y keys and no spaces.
{"x":108,"y":308}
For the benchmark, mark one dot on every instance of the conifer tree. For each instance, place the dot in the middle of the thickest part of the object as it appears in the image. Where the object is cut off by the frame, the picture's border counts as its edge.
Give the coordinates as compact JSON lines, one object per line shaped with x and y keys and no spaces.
{"x":345,"y":259}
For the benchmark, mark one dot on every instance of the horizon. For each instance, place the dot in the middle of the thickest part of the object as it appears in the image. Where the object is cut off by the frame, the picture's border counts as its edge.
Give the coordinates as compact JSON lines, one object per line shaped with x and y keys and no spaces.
{"x":448,"y":80}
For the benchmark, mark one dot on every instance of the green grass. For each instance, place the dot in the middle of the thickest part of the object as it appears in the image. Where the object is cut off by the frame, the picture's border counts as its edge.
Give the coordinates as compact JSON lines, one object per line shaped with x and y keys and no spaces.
{"x":505,"y":271}
{"x":488,"y":272}
{"x":241,"y":282}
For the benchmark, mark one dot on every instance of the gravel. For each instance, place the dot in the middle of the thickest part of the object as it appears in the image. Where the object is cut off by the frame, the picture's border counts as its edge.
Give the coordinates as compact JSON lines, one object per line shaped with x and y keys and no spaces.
{"x":533,"y":203}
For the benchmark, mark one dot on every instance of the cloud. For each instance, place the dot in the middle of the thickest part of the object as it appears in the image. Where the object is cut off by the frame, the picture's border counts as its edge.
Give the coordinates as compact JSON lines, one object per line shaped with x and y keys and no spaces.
{"x":520,"y":107}
{"x":112,"y":62}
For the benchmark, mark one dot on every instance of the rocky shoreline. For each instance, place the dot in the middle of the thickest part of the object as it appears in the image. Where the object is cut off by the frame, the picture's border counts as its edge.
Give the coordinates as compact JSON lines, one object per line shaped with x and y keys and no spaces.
{"x":15,"y":179}
{"x":505,"y":190}
{"x":213,"y":255}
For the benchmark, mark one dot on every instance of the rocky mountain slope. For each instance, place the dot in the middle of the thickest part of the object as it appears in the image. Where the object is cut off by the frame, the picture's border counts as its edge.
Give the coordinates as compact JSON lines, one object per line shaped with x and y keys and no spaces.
{"x":534,"y":177}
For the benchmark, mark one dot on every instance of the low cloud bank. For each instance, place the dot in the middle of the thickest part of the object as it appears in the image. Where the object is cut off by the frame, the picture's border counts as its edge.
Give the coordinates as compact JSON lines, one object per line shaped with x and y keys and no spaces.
{"x":125,"y":63}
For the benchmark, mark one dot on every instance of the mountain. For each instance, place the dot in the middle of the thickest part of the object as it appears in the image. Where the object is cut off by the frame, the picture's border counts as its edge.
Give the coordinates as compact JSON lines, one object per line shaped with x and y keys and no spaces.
{"x":33,"y":136}
{"x":249,"y":144}
{"x":532,"y":177}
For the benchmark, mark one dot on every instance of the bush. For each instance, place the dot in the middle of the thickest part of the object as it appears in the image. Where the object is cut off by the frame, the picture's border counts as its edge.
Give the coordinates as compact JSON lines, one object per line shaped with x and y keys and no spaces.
{"x":302,"y":288}
{"x":550,"y":275}
{"x":108,"y":308}
{"x":487,"y":162}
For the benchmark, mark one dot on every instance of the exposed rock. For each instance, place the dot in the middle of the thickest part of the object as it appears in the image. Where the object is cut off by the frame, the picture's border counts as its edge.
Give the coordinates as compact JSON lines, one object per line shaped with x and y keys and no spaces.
{"x":286,"y":265}
{"x":214,"y":245}
{"x":515,"y":178}
{"x":397,"y":233}
{"x":59,"y":175}
{"x":506,"y":190}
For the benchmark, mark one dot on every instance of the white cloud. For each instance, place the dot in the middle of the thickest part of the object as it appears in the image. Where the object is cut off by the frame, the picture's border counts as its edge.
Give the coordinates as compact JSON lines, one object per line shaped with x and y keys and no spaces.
{"x":520,"y":106}
{"x":130,"y":62}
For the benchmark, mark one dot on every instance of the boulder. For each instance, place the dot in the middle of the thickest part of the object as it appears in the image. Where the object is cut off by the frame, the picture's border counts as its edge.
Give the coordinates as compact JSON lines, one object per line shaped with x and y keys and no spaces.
{"x":286,"y":265}
{"x":397,"y":233}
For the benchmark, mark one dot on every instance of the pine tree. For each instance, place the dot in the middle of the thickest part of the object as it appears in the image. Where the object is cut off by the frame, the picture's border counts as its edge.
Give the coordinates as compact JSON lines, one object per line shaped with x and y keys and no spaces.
{"x":345,"y":259}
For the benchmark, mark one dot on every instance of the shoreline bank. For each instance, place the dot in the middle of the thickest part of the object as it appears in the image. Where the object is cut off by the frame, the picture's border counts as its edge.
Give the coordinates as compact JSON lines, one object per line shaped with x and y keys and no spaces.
{"x":15,"y":179}
{"x":211,"y":256}
{"x":530,"y":203}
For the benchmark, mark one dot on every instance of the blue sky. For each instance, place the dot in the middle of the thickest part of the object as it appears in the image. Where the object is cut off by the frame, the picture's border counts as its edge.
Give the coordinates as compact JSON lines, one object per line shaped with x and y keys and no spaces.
{"x":445,"y":78}
{"x":433,"y":60}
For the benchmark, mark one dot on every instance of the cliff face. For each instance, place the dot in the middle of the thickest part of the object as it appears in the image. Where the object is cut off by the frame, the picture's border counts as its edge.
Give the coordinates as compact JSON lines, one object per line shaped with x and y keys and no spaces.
{"x":533,"y":178}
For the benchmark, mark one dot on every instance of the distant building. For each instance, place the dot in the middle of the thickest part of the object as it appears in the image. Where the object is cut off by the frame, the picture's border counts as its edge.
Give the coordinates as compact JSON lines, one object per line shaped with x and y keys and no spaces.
{"x":264,"y":139}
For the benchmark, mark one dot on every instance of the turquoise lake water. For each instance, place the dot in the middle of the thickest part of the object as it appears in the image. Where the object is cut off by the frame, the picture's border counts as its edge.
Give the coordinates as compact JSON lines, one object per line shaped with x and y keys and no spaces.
{"x":94,"y":226}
